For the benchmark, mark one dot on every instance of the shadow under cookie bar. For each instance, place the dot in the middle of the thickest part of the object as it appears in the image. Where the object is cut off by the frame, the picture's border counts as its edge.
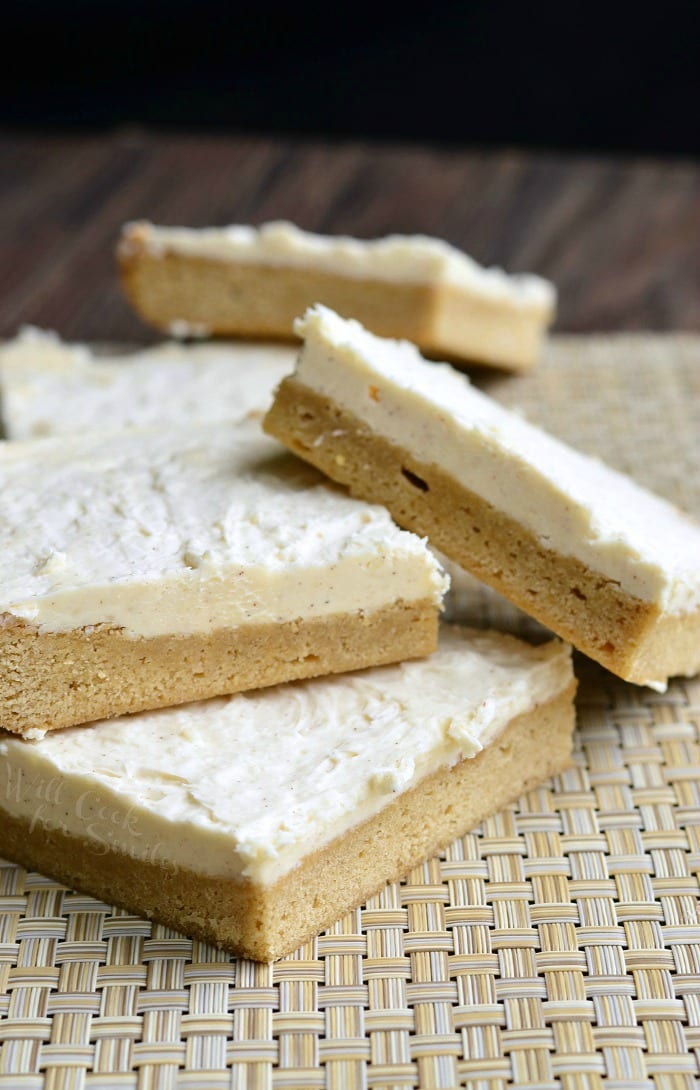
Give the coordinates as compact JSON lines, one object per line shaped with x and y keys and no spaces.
{"x":51,"y":680}
{"x":267,"y":921}
{"x":244,"y":299}
{"x":631,"y":637}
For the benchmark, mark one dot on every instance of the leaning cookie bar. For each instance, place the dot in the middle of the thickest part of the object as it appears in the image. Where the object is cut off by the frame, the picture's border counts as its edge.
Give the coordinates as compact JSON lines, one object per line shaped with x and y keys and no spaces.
{"x":145,"y":568}
{"x":253,"y":282}
{"x":601,"y":561}
{"x":255,"y":820}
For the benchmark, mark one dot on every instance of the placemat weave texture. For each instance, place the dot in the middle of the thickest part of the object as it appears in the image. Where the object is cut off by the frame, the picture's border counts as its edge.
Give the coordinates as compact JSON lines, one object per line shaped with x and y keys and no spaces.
{"x":555,"y":946}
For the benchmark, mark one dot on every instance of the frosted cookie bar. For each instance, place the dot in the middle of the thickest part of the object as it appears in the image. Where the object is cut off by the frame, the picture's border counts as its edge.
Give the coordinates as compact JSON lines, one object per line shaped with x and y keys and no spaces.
{"x":585,"y":550}
{"x":253,"y":282}
{"x":49,"y":387}
{"x":146,"y":568}
{"x":255,"y":820}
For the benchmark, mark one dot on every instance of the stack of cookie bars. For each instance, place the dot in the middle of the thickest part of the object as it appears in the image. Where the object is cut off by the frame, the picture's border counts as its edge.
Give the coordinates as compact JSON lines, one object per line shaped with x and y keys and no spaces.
{"x":227,"y":701}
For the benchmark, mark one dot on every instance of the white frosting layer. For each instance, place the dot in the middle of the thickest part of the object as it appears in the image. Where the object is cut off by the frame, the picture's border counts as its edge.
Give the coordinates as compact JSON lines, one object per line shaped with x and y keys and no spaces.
{"x":411,"y":258}
{"x":574,"y":504}
{"x":52,"y":388}
{"x":250,"y":784}
{"x":189,"y":530}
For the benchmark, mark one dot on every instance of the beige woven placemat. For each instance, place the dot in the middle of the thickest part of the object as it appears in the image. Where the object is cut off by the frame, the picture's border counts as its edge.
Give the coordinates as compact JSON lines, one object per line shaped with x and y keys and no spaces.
{"x":557,"y":945}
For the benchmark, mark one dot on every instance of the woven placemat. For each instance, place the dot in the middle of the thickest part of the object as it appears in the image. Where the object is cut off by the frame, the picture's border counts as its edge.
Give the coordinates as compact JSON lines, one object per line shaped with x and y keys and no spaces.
{"x":557,"y":945}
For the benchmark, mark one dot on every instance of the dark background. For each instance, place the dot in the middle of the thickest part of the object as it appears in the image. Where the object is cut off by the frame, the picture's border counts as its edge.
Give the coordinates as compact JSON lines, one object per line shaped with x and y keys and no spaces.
{"x":615,"y":77}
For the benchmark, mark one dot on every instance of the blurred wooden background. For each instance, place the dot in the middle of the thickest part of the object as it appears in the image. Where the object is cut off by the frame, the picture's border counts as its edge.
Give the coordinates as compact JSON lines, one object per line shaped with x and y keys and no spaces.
{"x":620,"y":238}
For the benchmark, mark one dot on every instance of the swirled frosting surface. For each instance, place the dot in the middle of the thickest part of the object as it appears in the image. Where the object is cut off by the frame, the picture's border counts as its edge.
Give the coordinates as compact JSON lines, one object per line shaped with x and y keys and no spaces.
{"x":53,"y":388}
{"x":190,"y":529}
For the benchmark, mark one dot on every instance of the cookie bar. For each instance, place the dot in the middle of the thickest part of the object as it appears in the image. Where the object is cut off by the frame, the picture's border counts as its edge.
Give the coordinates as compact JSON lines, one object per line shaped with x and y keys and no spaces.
{"x":253,"y":282}
{"x":583,"y":549}
{"x":145,"y":568}
{"x":255,"y":820}
{"x":49,"y":387}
